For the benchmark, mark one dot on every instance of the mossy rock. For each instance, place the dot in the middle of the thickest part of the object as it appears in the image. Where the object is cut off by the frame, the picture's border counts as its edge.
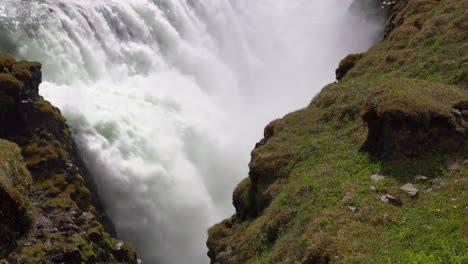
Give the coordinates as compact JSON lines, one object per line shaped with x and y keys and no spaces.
{"x":346,"y":65}
{"x":6,"y":62}
{"x":15,"y":207}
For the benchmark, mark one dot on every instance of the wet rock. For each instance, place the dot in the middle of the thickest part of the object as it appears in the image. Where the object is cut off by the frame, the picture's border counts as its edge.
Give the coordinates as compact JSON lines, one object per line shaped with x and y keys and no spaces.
{"x":420,"y":178}
{"x":437,"y":182}
{"x":410,"y":189}
{"x":377,"y":177}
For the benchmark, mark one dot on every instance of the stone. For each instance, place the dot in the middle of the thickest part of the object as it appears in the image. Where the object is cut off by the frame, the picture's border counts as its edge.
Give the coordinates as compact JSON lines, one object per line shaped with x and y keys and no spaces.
{"x":352,"y":208}
{"x":437,"y":182}
{"x":377,"y":177}
{"x":410,"y":189}
{"x":464,"y":113}
{"x":428,"y":191}
{"x":456,"y":112}
{"x":393,"y":200}
{"x":453,"y":165}
{"x":373,"y":188}
{"x":347,"y":198}
{"x":420,"y":178}
{"x":390,"y":199}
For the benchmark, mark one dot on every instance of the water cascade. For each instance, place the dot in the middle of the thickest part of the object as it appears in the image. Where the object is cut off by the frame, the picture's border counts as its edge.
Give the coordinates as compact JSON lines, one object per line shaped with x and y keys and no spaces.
{"x":168,"y":97}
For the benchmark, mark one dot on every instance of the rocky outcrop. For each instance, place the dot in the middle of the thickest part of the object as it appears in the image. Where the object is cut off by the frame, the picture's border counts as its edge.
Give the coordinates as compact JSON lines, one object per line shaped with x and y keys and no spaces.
{"x":346,"y":65}
{"x":409,"y":118}
{"x":62,"y":224}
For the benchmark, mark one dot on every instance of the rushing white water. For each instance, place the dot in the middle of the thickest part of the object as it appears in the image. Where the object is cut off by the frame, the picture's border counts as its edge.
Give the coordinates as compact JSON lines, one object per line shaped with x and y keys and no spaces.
{"x":167,"y":97}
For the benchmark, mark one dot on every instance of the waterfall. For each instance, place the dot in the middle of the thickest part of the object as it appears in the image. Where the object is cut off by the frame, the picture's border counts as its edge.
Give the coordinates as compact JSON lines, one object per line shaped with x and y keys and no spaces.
{"x":166,"y":98}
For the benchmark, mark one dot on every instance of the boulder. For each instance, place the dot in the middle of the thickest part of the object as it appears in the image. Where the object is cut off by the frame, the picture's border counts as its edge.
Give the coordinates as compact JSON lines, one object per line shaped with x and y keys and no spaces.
{"x":410,"y":189}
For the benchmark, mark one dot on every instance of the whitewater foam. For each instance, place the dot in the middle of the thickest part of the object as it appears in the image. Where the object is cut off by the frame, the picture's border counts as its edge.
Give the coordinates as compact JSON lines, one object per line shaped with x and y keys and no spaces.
{"x":167,"y":97}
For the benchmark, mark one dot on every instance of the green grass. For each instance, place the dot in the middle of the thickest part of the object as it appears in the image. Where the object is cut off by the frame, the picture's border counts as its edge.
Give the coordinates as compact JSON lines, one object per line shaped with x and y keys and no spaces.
{"x":311,"y":159}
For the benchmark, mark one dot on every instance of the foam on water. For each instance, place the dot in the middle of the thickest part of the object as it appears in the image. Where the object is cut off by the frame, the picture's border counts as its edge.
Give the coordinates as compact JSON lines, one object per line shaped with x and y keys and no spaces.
{"x":168,"y":97}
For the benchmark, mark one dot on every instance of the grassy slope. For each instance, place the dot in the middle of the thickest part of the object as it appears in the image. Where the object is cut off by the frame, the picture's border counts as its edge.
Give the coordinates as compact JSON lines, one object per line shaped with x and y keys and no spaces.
{"x":311,"y":160}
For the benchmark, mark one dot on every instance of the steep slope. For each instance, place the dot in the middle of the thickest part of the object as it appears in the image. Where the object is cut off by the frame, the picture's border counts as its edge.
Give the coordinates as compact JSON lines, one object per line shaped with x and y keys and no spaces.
{"x":335,"y":182}
{"x":47,"y":212}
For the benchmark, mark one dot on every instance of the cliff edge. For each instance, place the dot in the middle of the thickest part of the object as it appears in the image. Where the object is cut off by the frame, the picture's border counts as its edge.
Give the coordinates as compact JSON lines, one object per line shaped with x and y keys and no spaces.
{"x":47,"y":212}
{"x":375,"y":169}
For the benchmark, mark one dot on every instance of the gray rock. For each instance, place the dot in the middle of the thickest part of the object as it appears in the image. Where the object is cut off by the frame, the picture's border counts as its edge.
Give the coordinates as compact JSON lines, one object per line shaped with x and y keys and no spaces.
{"x":377,"y":177}
{"x":464,"y":113}
{"x":373,"y":188}
{"x":456,"y":112}
{"x":410,"y":189}
{"x":453,"y":165}
{"x":43,"y":222}
{"x":347,"y":198}
{"x":389,"y":199}
{"x":428,"y":191}
{"x":437,"y":182}
{"x":420,"y":178}
{"x":352,"y":208}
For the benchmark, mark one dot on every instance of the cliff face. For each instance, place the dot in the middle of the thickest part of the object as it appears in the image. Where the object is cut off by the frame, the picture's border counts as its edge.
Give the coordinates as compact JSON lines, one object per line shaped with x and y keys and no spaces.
{"x":374,"y":170}
{"x":47,"y":212}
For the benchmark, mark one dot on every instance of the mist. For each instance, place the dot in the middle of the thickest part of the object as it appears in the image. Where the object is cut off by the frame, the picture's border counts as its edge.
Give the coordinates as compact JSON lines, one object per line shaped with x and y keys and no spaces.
{"x":167,"y":98}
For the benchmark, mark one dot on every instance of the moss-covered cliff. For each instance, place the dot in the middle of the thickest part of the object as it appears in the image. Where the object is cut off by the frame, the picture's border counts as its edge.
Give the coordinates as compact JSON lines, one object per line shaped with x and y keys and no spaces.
{"x":47,"y":212}
{"x":375,"y":169}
